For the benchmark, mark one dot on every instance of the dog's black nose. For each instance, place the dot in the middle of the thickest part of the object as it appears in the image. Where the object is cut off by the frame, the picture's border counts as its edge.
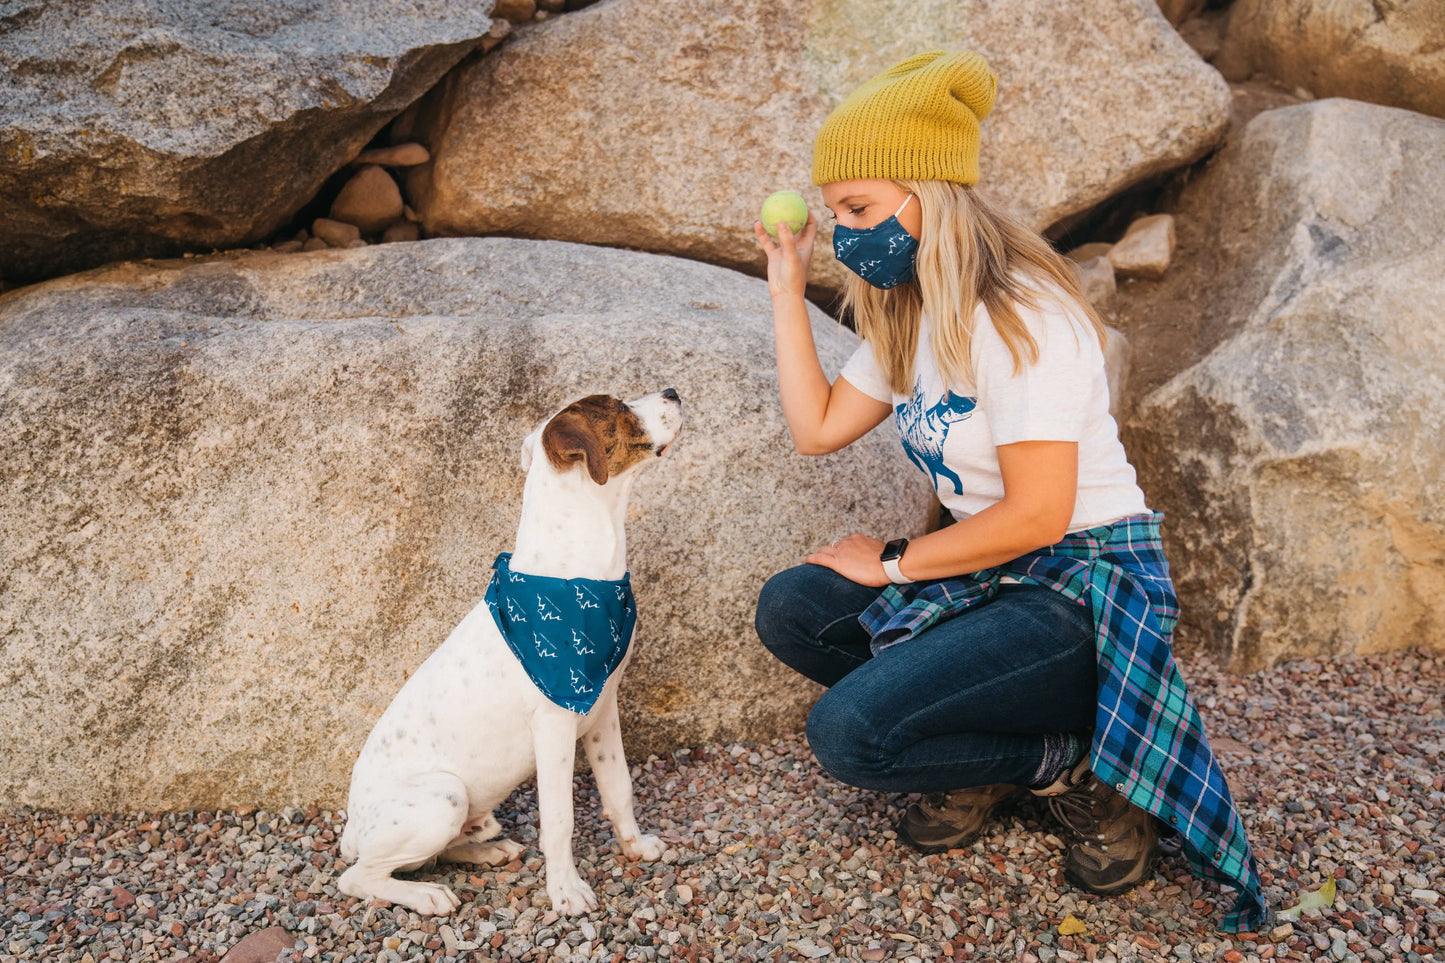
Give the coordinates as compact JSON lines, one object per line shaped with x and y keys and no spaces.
{"x":670,"y":394}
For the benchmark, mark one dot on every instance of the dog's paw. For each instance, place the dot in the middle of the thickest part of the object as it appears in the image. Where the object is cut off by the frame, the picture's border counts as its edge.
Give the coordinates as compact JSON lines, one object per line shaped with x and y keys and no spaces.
{"x":441,"y":901}
{"x":506,"y":850}
{"x":644,"y":847}
{"x":496,"y":853}
{"x":571,"y":897}
{"x":428,"y":899}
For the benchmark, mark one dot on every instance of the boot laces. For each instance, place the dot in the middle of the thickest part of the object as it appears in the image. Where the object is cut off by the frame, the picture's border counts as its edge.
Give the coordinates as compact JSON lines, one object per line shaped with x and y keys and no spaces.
{"x":1080,"y":810}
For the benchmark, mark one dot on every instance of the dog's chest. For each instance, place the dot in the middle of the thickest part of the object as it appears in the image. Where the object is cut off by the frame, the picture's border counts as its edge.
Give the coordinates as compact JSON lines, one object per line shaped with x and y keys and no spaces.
{"x":569,"y":635}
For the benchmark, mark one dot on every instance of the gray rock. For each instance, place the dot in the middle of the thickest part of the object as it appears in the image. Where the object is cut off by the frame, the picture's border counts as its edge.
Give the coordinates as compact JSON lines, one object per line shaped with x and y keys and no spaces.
{"x":1118,"y":359}
{"x":1295,"y":450}
{"x":666,"y":133}
{"x":245,"y":495}
{"x":1386,"y":53}
{"x":1087,"y":252}
{"x":1096,"y":279}
{"x":152,"y":127}
{"x":1145,"y":249}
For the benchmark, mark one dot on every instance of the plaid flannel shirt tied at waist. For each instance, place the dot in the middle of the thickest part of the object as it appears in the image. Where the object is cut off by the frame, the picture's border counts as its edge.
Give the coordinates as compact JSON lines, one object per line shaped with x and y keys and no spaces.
{"x":1148,"y":741}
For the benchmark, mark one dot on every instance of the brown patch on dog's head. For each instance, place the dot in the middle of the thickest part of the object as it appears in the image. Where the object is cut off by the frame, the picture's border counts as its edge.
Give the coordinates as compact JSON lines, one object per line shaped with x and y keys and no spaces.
{"x":601,"y":432}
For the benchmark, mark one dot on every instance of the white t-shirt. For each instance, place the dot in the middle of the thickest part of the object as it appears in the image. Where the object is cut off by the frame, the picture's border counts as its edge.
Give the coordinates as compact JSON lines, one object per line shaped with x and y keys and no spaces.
{"x":1064,"y":396}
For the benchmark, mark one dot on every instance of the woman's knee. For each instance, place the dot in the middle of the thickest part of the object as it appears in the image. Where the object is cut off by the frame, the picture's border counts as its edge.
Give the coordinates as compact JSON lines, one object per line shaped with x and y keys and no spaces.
{"x":846,"y":741}
{"x":781,"y":613}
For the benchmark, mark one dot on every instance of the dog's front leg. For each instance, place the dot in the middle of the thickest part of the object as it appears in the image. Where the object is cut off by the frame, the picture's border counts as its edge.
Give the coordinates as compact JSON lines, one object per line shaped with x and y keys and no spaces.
{"x":554,"y":734}
{"x":614,"y":782}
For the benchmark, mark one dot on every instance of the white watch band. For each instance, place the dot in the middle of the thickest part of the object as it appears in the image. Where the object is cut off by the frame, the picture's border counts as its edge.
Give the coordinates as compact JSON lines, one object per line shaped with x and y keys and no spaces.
{"x":894,"y":573}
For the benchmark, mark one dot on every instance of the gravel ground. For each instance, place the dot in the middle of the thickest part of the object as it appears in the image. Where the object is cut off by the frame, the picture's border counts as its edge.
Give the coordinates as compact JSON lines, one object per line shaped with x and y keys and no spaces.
{"x":1337,"y":769}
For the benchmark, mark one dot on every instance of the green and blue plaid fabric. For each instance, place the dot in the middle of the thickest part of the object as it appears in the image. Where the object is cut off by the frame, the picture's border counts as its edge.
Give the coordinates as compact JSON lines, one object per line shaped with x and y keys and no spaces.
{"x":1149,"y":741}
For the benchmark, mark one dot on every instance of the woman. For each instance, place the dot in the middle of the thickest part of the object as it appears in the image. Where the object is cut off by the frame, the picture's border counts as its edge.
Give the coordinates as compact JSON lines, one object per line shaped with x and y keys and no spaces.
{"x":980,"y":661}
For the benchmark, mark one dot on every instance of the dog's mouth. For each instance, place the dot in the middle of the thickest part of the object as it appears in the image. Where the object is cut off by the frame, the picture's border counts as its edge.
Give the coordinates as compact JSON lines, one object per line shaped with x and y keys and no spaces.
{"x":668,"y":447}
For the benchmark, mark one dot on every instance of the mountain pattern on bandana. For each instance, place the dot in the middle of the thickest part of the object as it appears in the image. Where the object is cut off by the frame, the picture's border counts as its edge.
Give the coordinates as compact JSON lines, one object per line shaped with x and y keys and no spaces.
{"x":568,"y":633}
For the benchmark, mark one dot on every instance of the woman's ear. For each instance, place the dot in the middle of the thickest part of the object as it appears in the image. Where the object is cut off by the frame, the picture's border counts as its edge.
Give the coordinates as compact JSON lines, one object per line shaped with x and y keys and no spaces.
{"x":568,"y":438}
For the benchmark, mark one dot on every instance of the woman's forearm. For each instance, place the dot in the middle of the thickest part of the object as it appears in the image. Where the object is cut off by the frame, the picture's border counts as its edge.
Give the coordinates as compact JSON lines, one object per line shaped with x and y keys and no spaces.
{"x":1040,"y":488}
{"x":802,"y":384}
{"x":998,"y":534}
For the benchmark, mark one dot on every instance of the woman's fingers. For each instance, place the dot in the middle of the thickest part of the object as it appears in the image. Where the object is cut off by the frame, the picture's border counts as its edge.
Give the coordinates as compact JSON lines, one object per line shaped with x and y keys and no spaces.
{"x":786,"y":241}
{"x":855,"y":557}
{"x":810,"y":231}
{"x":787,"y":258}
{"x":764,"y":240}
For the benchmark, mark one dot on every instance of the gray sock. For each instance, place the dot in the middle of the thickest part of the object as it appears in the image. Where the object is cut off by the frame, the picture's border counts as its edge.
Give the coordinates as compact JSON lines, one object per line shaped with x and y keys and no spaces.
{"x":1062,"y":750}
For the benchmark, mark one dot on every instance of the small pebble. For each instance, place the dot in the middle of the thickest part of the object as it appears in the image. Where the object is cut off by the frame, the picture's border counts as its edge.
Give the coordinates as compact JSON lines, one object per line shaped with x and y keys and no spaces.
{"x":397,"y":155}
{"x":333,"y":233}
{"x":401,"y":231}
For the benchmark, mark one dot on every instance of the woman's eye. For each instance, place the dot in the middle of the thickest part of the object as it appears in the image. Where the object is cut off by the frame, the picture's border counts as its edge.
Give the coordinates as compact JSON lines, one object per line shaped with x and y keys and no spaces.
{"x":857,"y":211}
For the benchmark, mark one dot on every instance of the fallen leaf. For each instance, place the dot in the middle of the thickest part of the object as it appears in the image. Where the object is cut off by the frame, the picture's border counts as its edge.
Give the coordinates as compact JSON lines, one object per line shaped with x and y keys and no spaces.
{"x":1317,"y":900}
{"x":1071,"y":926}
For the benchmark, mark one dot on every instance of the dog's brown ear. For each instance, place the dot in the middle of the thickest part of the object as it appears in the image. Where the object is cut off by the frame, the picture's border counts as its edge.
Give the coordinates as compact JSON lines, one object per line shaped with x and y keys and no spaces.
{"x":570,"y":437}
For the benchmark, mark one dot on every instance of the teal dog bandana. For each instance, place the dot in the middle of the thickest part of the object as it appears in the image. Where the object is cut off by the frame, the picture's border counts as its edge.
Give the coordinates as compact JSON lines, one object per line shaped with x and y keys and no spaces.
{"x":568,"y":633}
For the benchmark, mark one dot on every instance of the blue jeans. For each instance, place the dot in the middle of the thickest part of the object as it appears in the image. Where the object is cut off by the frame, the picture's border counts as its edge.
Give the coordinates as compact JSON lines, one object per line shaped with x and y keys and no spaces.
{"x":965,"y":703}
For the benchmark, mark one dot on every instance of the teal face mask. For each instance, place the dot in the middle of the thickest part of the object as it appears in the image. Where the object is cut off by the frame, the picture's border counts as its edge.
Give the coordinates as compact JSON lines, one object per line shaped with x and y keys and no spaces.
{"x":882,"y":255}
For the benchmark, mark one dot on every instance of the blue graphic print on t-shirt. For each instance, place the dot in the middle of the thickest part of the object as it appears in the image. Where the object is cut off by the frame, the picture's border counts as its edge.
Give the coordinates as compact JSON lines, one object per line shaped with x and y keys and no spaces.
{"x":924,"y":430}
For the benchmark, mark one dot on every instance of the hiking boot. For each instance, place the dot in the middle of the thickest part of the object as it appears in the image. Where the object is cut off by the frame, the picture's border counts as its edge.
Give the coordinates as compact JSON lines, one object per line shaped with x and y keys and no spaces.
{"x":949,"y":820}
{"x":1114,"y":840}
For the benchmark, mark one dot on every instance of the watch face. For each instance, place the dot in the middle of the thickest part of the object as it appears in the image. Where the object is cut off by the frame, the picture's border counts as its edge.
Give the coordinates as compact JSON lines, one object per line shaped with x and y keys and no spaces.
{"x":893,"y":549}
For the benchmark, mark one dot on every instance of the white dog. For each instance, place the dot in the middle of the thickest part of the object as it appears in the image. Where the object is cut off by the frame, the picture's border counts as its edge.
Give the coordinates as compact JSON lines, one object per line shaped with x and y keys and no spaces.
{"x":474,"y":721}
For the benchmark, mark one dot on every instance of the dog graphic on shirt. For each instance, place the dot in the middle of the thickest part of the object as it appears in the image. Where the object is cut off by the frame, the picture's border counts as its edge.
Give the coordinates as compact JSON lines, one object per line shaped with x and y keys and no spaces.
{"x":924,"y":430}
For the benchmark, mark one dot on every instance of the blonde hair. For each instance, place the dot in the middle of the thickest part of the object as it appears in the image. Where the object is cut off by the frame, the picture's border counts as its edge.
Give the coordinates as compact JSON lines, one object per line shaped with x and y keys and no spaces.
{"x":970,"y":253}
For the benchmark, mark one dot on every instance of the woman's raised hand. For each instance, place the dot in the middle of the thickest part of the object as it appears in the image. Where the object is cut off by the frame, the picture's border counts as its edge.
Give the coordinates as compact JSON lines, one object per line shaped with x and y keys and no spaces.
{"x":788,"y":257}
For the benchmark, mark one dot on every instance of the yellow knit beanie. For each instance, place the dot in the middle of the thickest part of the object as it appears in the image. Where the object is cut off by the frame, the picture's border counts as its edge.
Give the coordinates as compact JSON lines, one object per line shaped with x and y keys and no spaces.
{"x":917,"y":120}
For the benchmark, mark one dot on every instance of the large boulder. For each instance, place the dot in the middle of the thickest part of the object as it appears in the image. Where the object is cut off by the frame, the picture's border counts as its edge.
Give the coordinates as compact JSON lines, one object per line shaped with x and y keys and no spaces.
{"x":1297,"y":455}
{"x":147,"y":128}
{"x":1386,"y":53}
{"x":245,"y":496}
{"x":626,"y":125}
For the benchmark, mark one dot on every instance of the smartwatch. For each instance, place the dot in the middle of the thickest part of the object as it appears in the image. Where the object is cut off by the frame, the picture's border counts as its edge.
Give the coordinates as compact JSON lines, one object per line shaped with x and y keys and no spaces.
{"x":892,"y":552}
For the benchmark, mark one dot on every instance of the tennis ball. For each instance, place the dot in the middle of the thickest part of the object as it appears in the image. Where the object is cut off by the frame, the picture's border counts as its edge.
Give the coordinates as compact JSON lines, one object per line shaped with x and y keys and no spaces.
{"x":784,"y":206}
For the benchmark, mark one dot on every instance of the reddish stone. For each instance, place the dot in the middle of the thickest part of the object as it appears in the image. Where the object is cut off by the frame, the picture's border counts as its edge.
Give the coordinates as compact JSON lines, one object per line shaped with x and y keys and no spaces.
{"x":261,"y":946}
{"x":122,"y":897}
